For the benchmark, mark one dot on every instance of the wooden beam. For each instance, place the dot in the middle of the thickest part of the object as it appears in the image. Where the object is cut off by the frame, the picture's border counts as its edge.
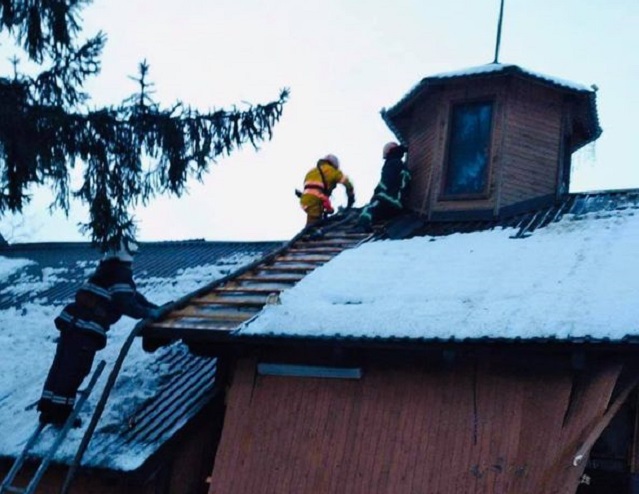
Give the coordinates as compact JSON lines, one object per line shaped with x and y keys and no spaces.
{"x":246,"y":289}
{"x":199,"y":314}
{"x":270,"y":279}
{"x":287,"y":269}
{"x":176,"y":325}
{"x":303,"y":259}
{"x":268,"y":369}
{"x":603,"y":422}
{"x":315,"y":250}
{"x":213,"y":299}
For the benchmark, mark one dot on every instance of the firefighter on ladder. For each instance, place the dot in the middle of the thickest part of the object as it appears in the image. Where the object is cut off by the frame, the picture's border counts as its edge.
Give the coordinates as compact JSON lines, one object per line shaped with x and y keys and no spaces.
{"x":108,"y":294}
{"x":319,"y":183}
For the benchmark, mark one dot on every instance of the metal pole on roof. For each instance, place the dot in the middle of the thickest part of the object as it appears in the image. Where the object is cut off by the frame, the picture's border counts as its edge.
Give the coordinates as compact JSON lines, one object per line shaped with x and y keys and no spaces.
{"x":501,"y":18}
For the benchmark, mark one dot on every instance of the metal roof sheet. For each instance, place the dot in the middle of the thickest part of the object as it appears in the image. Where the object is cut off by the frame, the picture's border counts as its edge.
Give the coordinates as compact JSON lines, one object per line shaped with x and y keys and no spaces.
{"x":187,"y":381}
{"x":356,"y":312}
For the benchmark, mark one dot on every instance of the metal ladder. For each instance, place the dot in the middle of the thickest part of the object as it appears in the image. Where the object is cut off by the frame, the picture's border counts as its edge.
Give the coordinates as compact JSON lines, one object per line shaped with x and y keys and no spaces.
{"x":6,"y":486}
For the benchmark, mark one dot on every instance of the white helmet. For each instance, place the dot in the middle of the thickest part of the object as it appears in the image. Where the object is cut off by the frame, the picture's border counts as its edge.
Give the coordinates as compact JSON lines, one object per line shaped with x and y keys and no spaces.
{"x":332,"y":159}
{"x":128,"y":248}
{"x":388,"y":147}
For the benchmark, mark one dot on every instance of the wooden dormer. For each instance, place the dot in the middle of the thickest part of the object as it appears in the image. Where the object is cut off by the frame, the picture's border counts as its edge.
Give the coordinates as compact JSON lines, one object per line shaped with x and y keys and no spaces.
{"x":491,"y":141}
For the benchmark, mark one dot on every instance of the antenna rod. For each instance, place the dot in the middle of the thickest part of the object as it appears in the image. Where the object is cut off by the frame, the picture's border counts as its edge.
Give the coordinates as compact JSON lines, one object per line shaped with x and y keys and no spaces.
{"x":501,"y":17}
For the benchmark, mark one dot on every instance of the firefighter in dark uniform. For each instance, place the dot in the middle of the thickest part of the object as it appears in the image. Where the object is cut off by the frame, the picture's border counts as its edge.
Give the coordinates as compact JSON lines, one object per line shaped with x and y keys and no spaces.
{"x":108,"y":294}
{"x":389,"y":197}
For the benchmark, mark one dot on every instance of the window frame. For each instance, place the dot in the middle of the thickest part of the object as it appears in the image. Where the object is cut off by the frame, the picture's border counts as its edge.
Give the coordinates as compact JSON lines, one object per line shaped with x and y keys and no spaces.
{"x":485,"y":193}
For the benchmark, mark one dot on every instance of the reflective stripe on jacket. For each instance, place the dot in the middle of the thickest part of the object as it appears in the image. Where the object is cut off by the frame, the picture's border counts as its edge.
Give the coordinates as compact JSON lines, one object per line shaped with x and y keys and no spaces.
{"x":109,"y":294}
{"x":326,"y":177}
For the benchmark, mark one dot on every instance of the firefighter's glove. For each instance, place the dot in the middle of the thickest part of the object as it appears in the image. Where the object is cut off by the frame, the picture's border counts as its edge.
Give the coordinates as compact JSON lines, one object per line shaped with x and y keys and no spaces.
{"x":351,"y":200}
{"x":155,"y":313}
{"x":327,"y":206}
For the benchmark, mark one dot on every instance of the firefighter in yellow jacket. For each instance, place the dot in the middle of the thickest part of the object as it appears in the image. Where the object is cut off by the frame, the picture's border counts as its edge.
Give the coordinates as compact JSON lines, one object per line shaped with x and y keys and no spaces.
{"x":319,"y":183}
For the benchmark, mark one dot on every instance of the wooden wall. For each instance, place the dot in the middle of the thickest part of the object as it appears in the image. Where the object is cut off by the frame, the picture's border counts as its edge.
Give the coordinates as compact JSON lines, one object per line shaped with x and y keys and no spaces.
{"x":425,"y":141}
{"x":471,"y":429}
{"x":525,"y":147}
{"x":532,"y":143}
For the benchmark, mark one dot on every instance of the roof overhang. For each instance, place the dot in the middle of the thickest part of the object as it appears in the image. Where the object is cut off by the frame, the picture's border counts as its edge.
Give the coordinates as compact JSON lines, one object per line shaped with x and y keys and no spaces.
{"x":348,"y":349}
{"x":582,"y":98}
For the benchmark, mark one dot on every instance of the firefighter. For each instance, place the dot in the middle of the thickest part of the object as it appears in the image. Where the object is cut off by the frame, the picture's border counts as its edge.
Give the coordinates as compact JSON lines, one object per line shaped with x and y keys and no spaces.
{"x":107,"y":295}
{"x":389,"y":197}
{"x":319,"y":183}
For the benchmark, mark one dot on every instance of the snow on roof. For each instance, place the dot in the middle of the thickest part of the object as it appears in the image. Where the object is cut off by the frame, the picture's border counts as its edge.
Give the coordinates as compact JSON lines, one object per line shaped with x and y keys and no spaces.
{"x":27,"y":346}
{"x":576,"y":278}
{"x":498,"y":67}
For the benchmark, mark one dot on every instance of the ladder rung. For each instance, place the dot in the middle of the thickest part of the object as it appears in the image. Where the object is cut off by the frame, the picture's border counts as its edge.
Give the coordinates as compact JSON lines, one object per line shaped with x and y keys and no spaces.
{"x":285,"y":269}
{"x":213,"y":300}
{"x":202,"y":314}
{"x":245,"y":289}
{"x":329,"y":243}
{"x":301,"y":259}
{"x":10,"y":488}
{"x":314,"y":250}
{"x":201,"y":325}
{"x":270,"y":279}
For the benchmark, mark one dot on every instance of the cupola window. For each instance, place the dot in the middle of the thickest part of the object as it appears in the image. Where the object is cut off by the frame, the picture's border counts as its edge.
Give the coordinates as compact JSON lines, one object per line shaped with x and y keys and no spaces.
{"x":468,"y":150}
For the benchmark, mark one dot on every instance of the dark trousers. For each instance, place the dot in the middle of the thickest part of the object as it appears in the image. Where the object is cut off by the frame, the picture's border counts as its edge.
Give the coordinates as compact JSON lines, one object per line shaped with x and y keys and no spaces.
{"x":376,"y":210}
{"x":73,"y":360}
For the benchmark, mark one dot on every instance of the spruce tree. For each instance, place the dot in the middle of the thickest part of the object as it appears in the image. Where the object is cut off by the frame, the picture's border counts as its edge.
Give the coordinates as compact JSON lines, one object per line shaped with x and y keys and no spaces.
{"x":130,"y":152}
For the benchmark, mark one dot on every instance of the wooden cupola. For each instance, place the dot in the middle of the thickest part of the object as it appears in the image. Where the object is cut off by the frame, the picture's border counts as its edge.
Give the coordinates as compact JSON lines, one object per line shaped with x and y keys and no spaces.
{"x":491,"y":141}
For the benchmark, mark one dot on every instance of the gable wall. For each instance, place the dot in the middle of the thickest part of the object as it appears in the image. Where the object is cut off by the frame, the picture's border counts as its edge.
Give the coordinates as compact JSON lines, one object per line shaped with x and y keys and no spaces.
{"x":471,"y":429}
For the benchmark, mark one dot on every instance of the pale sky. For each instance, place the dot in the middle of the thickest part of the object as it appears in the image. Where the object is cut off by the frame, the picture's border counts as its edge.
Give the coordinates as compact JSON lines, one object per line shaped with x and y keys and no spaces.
{"x":343,"y":60}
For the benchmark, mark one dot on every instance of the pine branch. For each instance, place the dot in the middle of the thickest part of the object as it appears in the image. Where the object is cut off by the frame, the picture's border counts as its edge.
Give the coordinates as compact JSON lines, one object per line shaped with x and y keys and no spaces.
{"x":131,"y":152}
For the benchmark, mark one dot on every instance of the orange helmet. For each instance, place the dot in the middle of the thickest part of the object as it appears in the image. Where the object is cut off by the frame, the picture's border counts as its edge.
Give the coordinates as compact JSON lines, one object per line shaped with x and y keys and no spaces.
{"x":332,"y":159}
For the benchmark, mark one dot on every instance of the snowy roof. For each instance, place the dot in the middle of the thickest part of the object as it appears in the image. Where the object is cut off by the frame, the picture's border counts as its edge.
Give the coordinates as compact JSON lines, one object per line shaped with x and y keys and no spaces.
{"x":154,"y":395}
{"x":588,"y":111}
{"x":575,"y":279}
{"x":496,"y":68}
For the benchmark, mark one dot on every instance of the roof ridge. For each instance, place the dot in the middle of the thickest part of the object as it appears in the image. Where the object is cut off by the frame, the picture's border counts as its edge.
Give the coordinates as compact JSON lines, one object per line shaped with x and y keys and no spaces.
{"x":154,"y":243}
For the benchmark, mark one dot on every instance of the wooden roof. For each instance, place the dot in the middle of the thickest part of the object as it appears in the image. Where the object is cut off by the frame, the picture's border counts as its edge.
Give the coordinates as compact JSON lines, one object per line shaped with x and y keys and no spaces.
{"x":189,"y":382}
{"x":214,"y":312}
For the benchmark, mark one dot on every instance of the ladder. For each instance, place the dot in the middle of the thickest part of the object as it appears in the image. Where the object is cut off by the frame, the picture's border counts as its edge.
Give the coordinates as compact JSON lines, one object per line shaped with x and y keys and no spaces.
{"x":6,"y":486}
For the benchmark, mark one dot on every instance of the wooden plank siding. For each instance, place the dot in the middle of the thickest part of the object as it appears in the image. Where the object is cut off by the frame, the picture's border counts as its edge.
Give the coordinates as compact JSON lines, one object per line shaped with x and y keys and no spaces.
{"x":424,"y":152}
{"x":532,"y":146}
{"x":428,"y":144}
{"x":474,"y":428}
{"x":525,"y":144}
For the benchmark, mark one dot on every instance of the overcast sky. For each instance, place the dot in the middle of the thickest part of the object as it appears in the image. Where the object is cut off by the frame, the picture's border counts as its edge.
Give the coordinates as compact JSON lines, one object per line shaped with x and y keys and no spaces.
{"x":344,"y":60}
